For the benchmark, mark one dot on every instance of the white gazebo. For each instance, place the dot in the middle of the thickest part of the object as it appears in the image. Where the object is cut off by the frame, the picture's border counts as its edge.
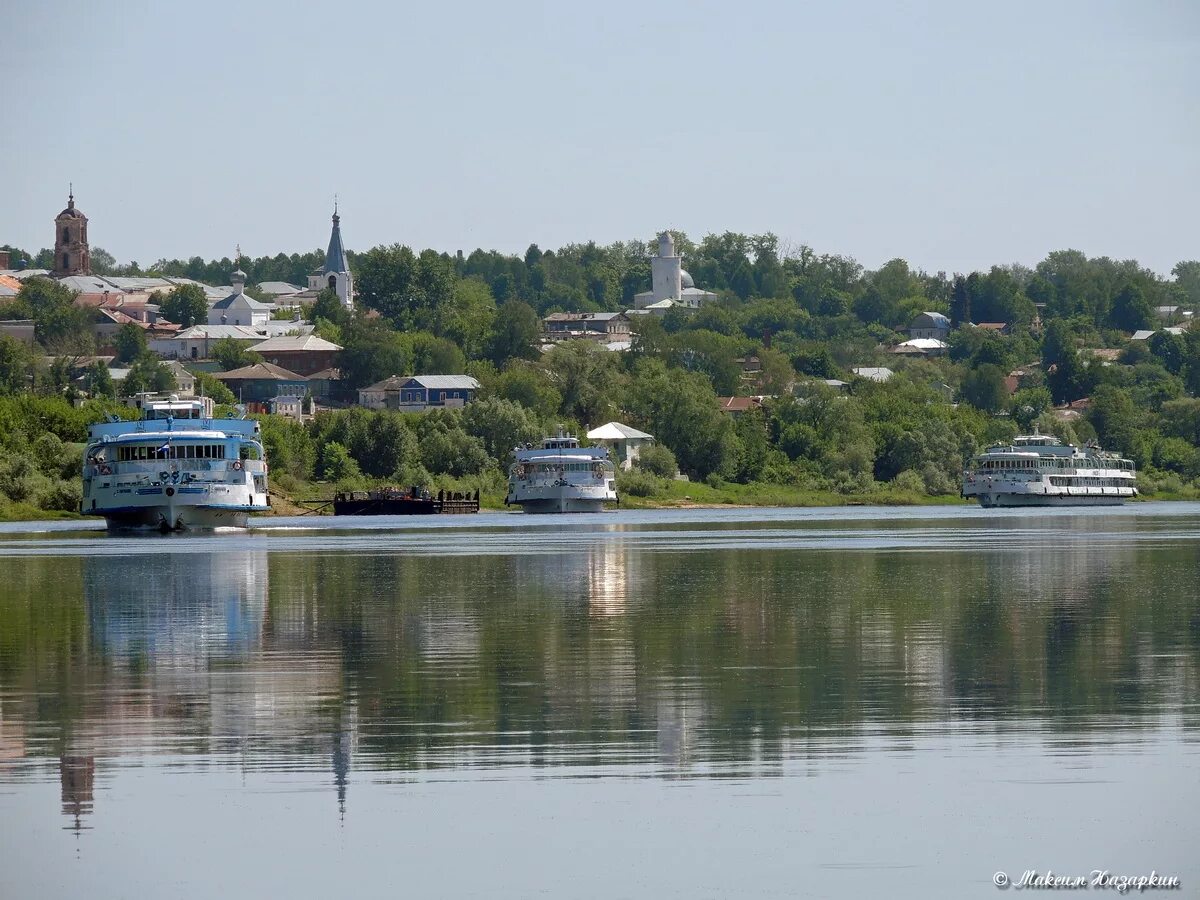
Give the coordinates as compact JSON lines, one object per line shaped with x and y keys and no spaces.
{"x":626,"y":441}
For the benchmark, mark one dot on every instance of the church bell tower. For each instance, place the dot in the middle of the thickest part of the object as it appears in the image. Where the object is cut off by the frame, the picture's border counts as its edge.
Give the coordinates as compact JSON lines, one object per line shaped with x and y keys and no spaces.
{"x":70,"y":241}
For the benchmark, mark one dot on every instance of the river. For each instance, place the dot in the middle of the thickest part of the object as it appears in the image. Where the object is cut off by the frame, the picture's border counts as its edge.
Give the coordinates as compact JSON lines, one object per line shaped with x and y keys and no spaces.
{"x":703,"y":703}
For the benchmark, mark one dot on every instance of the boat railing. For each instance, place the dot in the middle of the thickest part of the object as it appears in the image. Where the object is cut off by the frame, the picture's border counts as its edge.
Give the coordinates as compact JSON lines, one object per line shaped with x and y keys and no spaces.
{"x":154,"y":467}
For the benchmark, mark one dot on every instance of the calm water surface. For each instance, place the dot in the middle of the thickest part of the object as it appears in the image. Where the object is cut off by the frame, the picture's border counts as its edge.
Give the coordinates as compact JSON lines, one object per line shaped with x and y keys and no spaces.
{"x":782,"y":703}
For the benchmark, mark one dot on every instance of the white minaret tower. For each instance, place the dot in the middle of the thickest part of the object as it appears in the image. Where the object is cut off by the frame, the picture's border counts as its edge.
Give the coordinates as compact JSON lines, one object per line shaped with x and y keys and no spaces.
{"x":665,"y":269}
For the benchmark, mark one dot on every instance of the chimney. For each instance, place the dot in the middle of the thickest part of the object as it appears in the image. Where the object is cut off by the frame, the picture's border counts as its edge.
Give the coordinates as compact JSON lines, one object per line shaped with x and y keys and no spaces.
{"x":767,"y":338}
{"x":4,"y":259}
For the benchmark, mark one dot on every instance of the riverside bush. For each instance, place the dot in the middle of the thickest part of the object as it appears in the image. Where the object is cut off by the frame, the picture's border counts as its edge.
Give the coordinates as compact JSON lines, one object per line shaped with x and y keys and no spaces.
{"x":638,"y":483}
{"x":657,"y":460}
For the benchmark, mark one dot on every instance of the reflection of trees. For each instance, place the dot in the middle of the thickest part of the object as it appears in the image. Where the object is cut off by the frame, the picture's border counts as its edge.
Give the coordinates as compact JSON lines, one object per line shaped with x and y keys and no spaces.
{"x":604,"y":654}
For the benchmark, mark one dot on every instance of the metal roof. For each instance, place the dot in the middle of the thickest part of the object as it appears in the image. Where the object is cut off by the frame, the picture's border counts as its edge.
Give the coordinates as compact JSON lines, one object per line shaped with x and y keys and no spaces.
{"x":446,"y":382}
{"x":615,"y":431}
{"x":259,"y":371}
{"x":276,"y":288}
{"x":215,"y":332}
{"x":335,"y":256}
{"x":248,"y":303}
{"x":295,"y":342}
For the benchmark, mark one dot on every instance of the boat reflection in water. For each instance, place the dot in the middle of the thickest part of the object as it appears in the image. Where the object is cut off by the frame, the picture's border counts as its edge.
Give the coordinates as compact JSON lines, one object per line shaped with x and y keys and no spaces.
{"x":452,"y":662}
{"x":187,"y":606}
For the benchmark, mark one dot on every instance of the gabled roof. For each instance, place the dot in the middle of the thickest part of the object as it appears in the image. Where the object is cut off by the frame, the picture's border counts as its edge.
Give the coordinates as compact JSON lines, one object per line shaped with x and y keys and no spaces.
{"x":445,"y":382}
{"x":216,"y":332}
{"x":739,"y":404}
{"x":391,"y":383}
{"x":259,"y":372}
{"x":244,"y":302}
{"x":873,"y":373}
{"x":615,"y":431}
{"x":277,"y":288}
{"x":284,"y":342}
{"x":429,"y":382}
{"x":331,"y":374}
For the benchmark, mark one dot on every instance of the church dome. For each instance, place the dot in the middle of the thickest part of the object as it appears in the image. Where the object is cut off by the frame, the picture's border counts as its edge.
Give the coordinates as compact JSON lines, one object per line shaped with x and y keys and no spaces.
{"x":71,"y":213}
{"x":686,"y":279}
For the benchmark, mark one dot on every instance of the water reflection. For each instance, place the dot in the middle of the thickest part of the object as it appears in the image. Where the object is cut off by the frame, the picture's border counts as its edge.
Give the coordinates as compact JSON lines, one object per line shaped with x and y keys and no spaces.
{"x":617,"y":654}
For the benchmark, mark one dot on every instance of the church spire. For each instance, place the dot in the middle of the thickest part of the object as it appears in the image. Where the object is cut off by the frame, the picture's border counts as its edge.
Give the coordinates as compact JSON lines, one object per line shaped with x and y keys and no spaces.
{"x":335,"y":256}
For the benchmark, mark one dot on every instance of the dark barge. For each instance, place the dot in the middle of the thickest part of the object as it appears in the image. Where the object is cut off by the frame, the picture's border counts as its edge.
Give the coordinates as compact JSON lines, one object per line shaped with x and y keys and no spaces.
{"x":404,"y":502}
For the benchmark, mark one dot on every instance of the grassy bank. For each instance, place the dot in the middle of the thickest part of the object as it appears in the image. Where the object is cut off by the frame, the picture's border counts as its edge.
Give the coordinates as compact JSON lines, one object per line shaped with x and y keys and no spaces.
{"x":298,"y":498}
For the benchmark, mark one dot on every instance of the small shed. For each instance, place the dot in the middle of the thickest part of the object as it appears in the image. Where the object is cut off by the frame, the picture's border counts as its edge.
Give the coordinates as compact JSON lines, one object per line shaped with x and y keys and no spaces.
{"x":626,"y":442}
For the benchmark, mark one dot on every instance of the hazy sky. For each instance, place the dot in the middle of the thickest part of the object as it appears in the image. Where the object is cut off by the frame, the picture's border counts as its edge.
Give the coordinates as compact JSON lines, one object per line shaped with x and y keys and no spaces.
{"x":956,"y":135}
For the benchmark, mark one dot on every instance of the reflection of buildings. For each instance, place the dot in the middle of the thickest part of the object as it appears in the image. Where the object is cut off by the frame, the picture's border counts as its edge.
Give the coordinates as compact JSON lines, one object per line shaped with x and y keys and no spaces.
{"x":177,"y":605}
{"x":77,"y":776}
{"x":608,"y":578}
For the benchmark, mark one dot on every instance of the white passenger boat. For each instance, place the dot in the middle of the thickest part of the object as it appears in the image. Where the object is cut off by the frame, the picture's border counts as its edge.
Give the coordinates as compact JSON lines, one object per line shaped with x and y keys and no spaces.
{"x":560,"y":476}
{"x":176,"y":468}
{"x":1039,"y":470}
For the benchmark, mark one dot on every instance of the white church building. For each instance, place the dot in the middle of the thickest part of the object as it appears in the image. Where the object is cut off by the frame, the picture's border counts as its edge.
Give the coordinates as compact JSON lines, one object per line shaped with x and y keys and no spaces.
{"x":239,"y":308}
{"x":671,"y":285}
{"x":335,"y":274}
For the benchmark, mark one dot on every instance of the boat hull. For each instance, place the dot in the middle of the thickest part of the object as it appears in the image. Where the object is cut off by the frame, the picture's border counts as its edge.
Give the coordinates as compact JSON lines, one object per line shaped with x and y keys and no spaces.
{"x":168,"y":517}
{"x":997,"y":501}
{"x":562,"y":499}
{"x":563,"y":505}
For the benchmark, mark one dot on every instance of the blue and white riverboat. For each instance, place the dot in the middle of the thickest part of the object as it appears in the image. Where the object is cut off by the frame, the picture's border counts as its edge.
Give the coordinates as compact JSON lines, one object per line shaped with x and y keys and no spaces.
{"x":560,"y":476}
{"x":176,"y":468}
{"x":1039,"y":470}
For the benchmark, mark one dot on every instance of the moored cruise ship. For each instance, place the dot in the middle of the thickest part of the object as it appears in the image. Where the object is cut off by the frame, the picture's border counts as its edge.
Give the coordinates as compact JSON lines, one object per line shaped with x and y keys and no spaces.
{"x":1039,"y":470}
{"x":176,"y":468}
{"x":560,"y":476}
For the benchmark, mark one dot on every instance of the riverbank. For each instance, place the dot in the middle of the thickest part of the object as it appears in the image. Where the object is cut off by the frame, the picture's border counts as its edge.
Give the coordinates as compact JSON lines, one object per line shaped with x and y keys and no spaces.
{"x":305,"y":499}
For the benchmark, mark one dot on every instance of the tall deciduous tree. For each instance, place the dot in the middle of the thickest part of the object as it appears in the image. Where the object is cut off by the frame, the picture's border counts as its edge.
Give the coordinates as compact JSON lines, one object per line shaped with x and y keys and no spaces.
{"x":186,"y":305}
{"x":1131,"y":311}
{"x":130,"y":342}
{"x":514,"y":333}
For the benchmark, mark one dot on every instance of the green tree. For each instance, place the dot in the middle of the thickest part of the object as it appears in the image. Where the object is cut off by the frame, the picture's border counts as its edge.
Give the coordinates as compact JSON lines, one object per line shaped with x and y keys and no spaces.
{"x":1029,"y":404}
{"x":658,"y":460}
{"x":99,"y":382}
{"x":232,"y":354}
{"x":1187,"y":278}
{"x":436,"y":356}
{"x":468,"y":318}
{"x":328,"y":306}
{"x":147,"y":374}
{"x":680,"y":410}
{"x":514,"y":333}
{"x":984,"y":388}
{"x":186,"y":305}
{"x":1115,"y":418}
{"x":587,"y":379}
{"x":1170,"y":349}
{"x":337,"y":464}
{"x":130,"y":342}
{"x":529,"y":387}
{"x":960,"y":303}
{"x":371,"y":353}
{"x":500,"y":424}
{"x":1131,"y":311}
{"x":16,"y":365}
{"x":209,"y":385}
